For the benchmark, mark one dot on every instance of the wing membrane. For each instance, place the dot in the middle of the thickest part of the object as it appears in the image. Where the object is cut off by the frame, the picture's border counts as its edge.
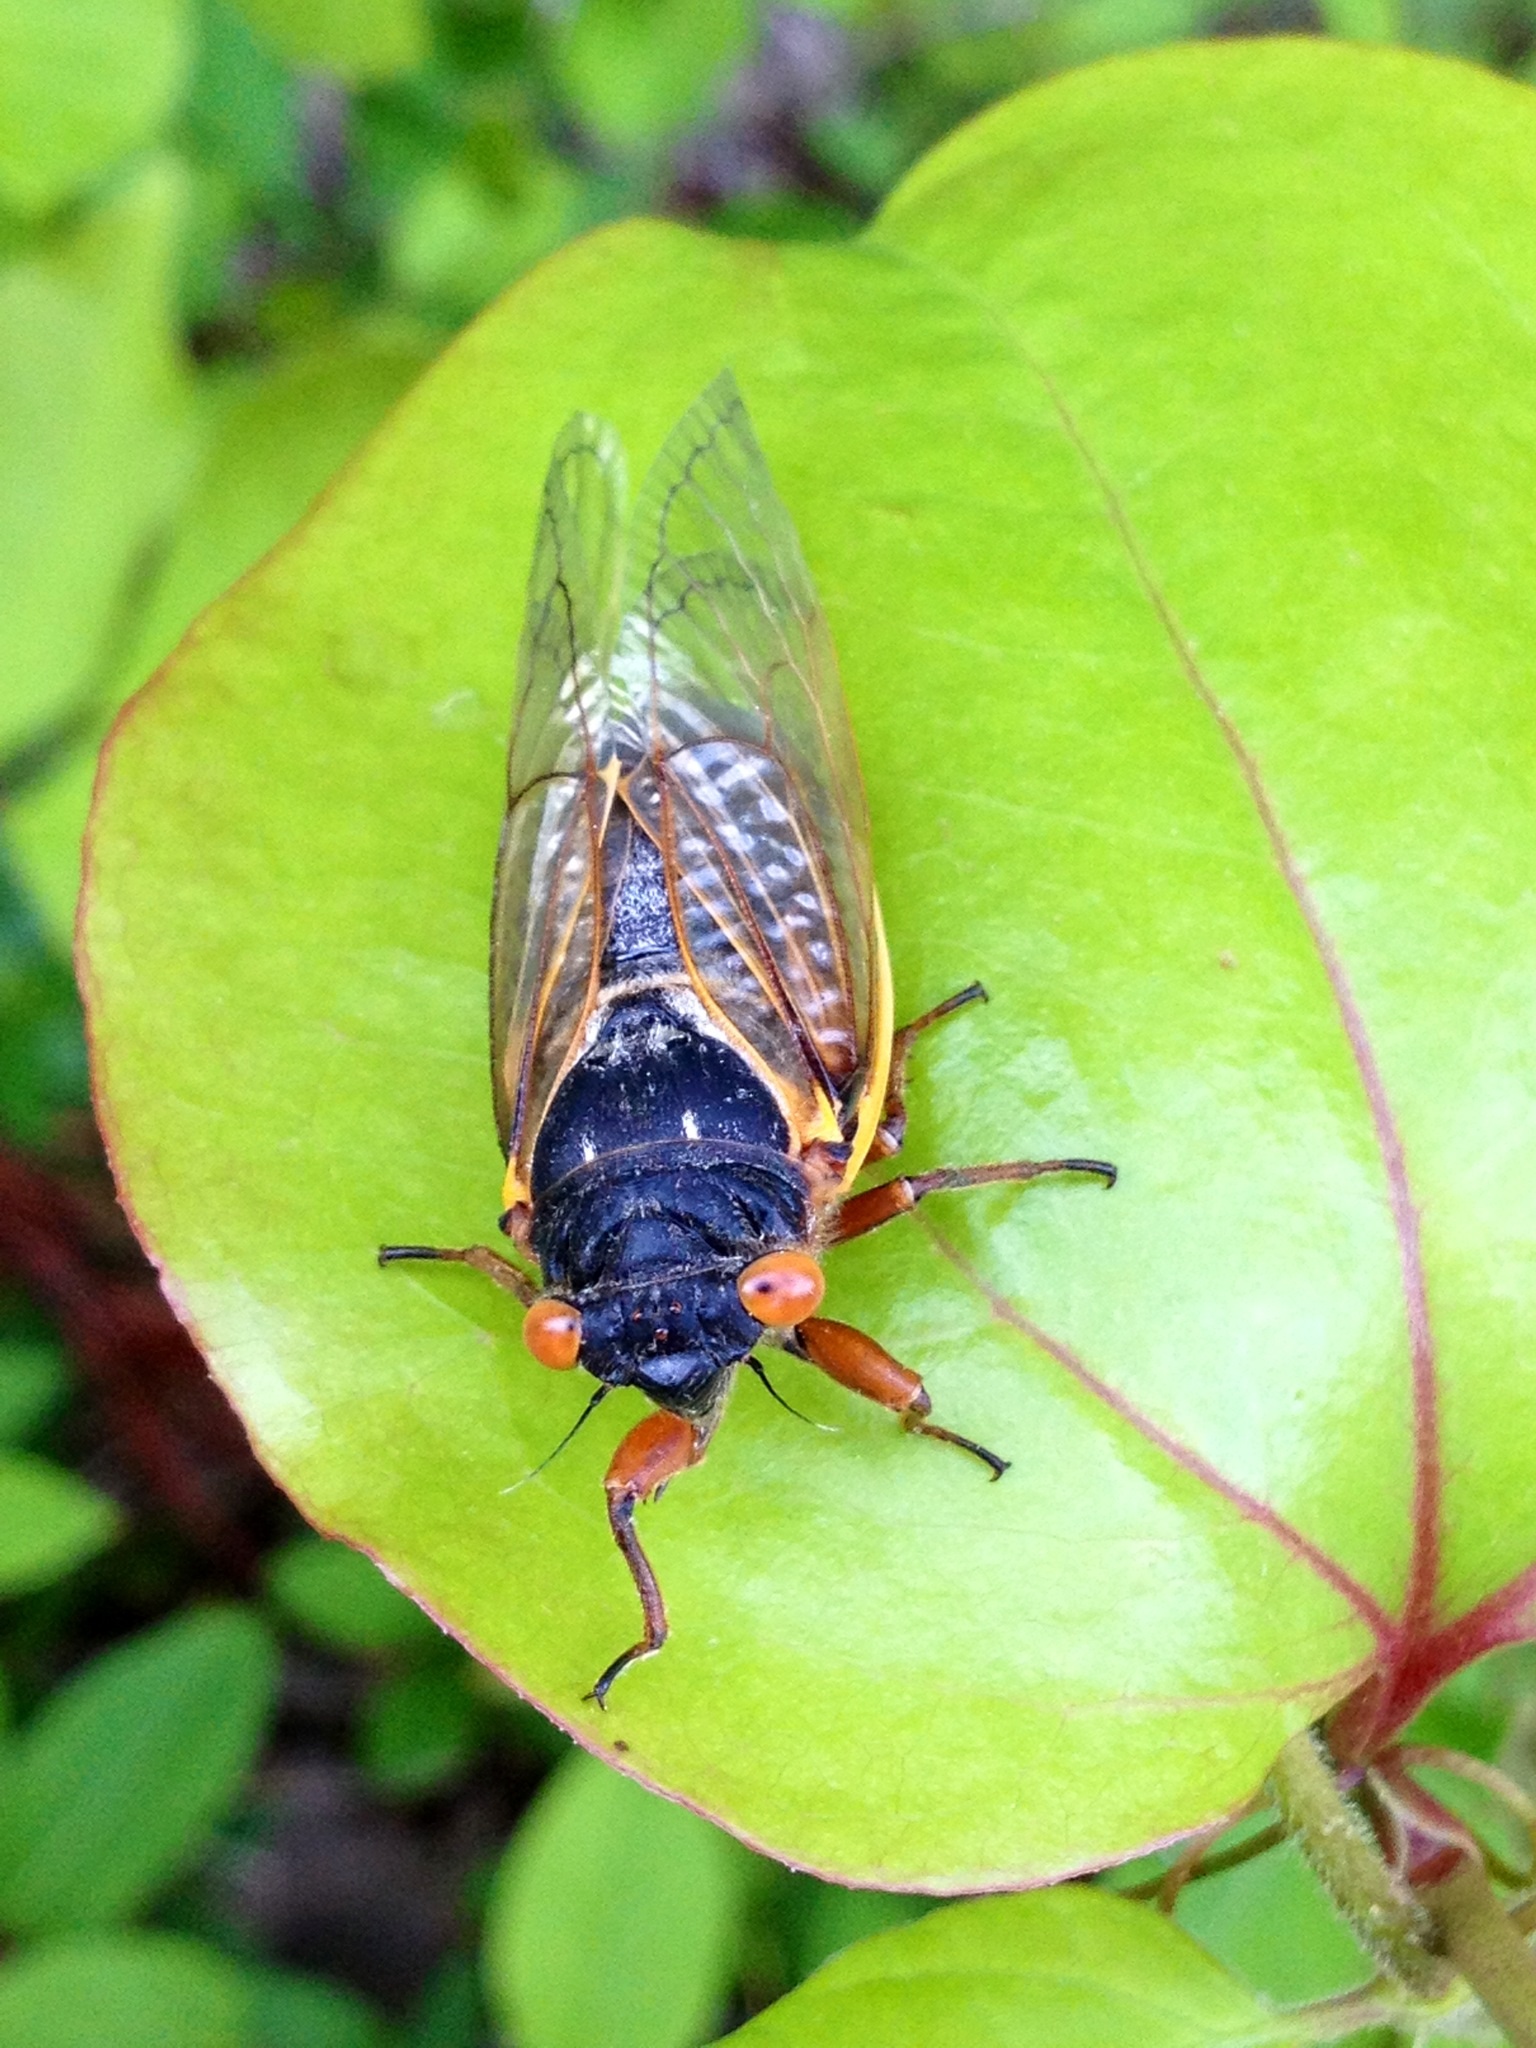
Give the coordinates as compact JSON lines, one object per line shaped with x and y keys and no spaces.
{"x":753,"y":788}
{"x":549,"y":871}
{"x":696,"y":697}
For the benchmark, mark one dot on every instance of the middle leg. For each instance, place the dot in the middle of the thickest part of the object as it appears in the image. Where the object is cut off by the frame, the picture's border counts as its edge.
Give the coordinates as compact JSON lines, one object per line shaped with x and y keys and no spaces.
{"x":865,"y":1367}
{"x":893,"y":1115}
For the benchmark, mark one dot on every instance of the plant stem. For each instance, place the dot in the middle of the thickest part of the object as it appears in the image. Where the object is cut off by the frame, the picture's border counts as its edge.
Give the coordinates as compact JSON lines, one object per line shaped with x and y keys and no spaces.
{"x":1481,"y":1940}
{"x":1387,"y":1918}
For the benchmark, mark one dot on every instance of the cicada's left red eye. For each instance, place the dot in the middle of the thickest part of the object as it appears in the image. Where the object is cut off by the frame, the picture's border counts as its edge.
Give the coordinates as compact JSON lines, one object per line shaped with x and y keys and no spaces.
{"x":782,"y":1289}
{"x":552,"y":1332}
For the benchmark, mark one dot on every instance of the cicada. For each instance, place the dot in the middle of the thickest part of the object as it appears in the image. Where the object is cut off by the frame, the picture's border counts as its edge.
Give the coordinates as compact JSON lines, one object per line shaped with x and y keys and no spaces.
{"x":693,"y":1046}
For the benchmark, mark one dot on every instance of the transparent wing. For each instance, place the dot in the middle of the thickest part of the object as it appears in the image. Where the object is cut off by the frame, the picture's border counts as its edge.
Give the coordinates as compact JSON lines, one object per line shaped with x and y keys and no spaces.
{"x":550,"y":871}
{"x":725,"y":697}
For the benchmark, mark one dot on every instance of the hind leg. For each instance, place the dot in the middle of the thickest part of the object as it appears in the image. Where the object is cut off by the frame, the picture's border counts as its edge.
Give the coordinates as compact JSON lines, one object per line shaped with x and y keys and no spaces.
{"x":893,"y":1116}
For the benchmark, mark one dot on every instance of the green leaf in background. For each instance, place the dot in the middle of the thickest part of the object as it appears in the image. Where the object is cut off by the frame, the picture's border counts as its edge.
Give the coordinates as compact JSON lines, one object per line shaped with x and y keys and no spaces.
{"x":117,"y":1780}
{"x":450,"y":2011}
{"x":123,"y":1991}
{"x":418,"y":1729}
{"x":1074,"y":1968}
{"x":1271,"y":1923}
{"x":50,"y":1521}
{"x":290,"y":2011}
{"x":614,"y":1918}
{"x":825,"y":1918}
{"x":33,"y":1385}
{"x":454,"y":244}
{"x":81,"y":83}
{"x":1162,"y":579}
{"x":44,"y":1068}
{"x":342,"y":1599}
{"x":358,"y":39}
{"x":242,"y":116}
{"x":276,"y":443}
{"x":637,"y":71}
{"x":94,"y":437}
{"x":1363,"y":21}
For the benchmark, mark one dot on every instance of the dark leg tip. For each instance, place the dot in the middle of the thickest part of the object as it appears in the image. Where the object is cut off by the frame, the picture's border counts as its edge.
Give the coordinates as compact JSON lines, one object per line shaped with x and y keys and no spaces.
{"x":389,"y":1253}
{"x":1102,"y":1167}
{"x":995,"y":1465}
{"x":599,"y":1693}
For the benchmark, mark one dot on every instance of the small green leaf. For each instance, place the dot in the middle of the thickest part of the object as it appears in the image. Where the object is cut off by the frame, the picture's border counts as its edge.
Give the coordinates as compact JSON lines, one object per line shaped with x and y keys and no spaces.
{"x":242,"y":114}
{"x":822,"y":1919}
{"x":638,"y":70}
{"x":291,"y":2011}
{"x":82,"y":83}
{"x":449,"y":2013}
{"x":418,"y":1729}
{"x":1074,"y":1967}
{"x":1272,"y":1924}
{"x":123,"y":1991}
{"x":453,"y":244}
{"x":359,"y":39}
{"x":115,"y":1783}
{"x":95,"y":436}
{"x":50,"y":1521}
{"x":614,"y":1918}
{"x":1363,"y":21}
{"x":342,"y":1599}
{"x":33,"y":1386}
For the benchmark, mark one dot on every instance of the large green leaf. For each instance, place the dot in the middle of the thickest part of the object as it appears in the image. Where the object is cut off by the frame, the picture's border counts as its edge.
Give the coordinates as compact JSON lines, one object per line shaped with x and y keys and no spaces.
{"x":1074,"y":1968}
{"x":116,"y":1782}
{"x":1163,"y":457}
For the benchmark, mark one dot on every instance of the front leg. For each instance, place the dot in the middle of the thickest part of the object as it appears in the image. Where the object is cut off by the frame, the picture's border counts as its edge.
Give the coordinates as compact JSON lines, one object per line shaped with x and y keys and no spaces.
{"x":655,"y":1451}
{"x":865,"y":1367}
{"x":480,"y":1256}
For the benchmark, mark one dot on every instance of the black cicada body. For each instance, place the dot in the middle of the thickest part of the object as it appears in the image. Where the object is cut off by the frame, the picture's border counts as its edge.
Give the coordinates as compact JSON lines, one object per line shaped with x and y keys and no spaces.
{"x":691,"y":1019}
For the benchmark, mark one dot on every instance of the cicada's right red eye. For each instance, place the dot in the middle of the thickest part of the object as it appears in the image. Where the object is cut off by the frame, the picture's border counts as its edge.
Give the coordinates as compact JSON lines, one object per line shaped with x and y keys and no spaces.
{"x":782,"y":1289}
{"x":552,"y":1332}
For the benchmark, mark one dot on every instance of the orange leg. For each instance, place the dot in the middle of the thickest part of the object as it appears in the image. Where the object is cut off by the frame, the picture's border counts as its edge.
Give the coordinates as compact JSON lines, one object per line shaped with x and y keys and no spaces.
{"x":480,"y":1256}
{"x":893,"y":1116}
{"x":655,"y":1451}
{"x":866,"y":1212}
{"x":858,"y":1362}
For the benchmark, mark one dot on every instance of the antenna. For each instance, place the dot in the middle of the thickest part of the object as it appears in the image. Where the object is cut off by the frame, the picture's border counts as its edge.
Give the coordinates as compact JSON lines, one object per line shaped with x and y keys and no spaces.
{"x":830,"y":1428}
{"x":603,"y":1391}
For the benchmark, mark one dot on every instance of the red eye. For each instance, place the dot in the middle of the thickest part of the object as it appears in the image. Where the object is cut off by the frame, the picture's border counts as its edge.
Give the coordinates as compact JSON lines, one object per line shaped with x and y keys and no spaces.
{"x":552,"y":1332}
{"x":782,"y":1289}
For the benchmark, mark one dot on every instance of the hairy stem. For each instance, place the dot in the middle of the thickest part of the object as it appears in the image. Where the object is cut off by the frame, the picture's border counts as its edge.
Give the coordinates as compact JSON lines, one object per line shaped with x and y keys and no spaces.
{"x":1388,"y":1920}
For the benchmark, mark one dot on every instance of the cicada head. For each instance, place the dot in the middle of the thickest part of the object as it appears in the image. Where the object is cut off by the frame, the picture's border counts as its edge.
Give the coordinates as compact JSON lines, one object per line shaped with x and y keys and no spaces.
{"x":675,"y":1338}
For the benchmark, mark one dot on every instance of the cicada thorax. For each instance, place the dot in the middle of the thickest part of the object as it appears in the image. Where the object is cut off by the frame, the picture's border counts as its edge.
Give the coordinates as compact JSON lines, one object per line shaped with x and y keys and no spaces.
{"x":662,"y":1168}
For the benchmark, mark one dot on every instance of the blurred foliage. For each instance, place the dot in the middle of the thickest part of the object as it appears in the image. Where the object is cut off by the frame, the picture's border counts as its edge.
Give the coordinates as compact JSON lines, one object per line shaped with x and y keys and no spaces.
{"x":250,"y":1797}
